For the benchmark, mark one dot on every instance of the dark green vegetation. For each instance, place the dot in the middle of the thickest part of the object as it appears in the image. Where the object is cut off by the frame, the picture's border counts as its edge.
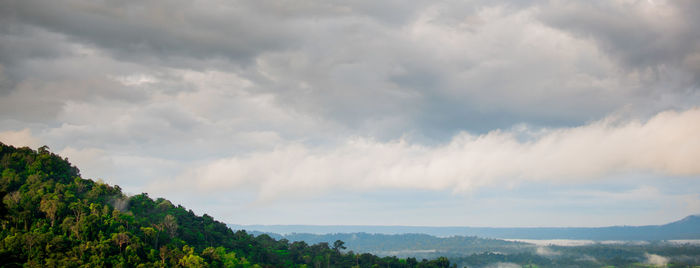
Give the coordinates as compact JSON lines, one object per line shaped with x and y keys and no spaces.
{"x":52,"y":217}
{"x":479,"y":252}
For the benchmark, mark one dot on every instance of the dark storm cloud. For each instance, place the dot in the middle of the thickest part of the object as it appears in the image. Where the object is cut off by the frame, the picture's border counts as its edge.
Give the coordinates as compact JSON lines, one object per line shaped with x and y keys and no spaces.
{"x":19,"y":43}
{"x":22,"y":42}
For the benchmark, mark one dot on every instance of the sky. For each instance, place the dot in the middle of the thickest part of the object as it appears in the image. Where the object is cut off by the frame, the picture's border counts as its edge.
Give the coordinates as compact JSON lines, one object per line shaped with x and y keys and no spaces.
{"x":431,"y":113}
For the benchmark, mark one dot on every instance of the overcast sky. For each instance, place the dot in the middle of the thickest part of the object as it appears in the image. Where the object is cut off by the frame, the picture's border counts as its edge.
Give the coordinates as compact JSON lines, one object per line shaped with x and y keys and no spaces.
{"x":476,"y":113}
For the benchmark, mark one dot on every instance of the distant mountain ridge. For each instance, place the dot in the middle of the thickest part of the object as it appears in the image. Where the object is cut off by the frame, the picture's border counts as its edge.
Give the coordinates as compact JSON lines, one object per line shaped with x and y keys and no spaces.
{"x":686,"y":228}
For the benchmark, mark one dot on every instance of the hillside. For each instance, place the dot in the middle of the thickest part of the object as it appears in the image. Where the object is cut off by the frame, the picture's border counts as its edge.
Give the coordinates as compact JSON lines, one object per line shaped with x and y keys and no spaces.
{"x":686,"y":228}
{"x":51,"y":217}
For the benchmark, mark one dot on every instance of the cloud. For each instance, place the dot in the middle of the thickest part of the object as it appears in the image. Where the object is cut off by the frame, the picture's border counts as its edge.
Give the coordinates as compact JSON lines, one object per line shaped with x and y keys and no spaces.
{"x":153,"y":29}
{"x":20,"y":138}
{"x":665,"y":144}
{"x":286,"y":97}
{"x":587,"y":258}
{"x":91,"y":161}
{"x":547,"y":252}
{"x":127,"y":171}
{"x":643,"y":35}
{"x":542,"y":245}
{"x":657,"y":260}
{"x":443,"y":70}
{"x":504,"y":265}
{"x":475,"y":67}
{"x":429,"y":68}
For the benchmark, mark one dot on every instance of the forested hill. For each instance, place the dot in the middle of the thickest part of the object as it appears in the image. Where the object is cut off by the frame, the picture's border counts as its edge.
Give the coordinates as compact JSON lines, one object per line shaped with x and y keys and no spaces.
{"x":52,"y":217}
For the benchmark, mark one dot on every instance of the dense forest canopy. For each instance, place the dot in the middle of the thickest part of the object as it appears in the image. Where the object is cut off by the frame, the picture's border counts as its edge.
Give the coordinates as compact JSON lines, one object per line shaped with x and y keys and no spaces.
{"x":51,"y":217}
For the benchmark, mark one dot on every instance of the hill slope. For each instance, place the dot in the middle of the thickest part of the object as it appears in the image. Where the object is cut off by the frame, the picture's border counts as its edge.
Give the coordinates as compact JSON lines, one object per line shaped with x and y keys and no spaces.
{"x":52,"y":217}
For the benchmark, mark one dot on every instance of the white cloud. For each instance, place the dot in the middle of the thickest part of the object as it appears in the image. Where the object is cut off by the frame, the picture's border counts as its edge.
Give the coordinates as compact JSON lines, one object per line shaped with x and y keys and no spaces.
{"x":135,"y":79}
{"x":504,"y":265}
{"x":19,"y":138}
{"x":128,"y":171}
{"x":665,"y":144}
{"x":547,"y":252}
{"x":657,"y":260}
{"x":93,"y":162}
{"x":542,"y":244}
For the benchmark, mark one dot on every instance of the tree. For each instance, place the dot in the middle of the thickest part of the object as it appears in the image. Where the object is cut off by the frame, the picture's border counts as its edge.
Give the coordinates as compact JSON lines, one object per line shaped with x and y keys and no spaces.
{"x":50,"y":207}
{"x":151,"y":234}
{"x":44,"y":149}
{"x":338,"y":245}
{"x":191,"y":259}
{"x":30,"y":239}
{"x":120,"y":239}
{"x":170,"y":225}
{"x":163,"y":253}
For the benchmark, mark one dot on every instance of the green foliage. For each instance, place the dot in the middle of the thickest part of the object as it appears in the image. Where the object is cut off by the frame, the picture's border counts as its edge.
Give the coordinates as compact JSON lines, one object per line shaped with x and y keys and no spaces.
{"x":52,"y":217}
